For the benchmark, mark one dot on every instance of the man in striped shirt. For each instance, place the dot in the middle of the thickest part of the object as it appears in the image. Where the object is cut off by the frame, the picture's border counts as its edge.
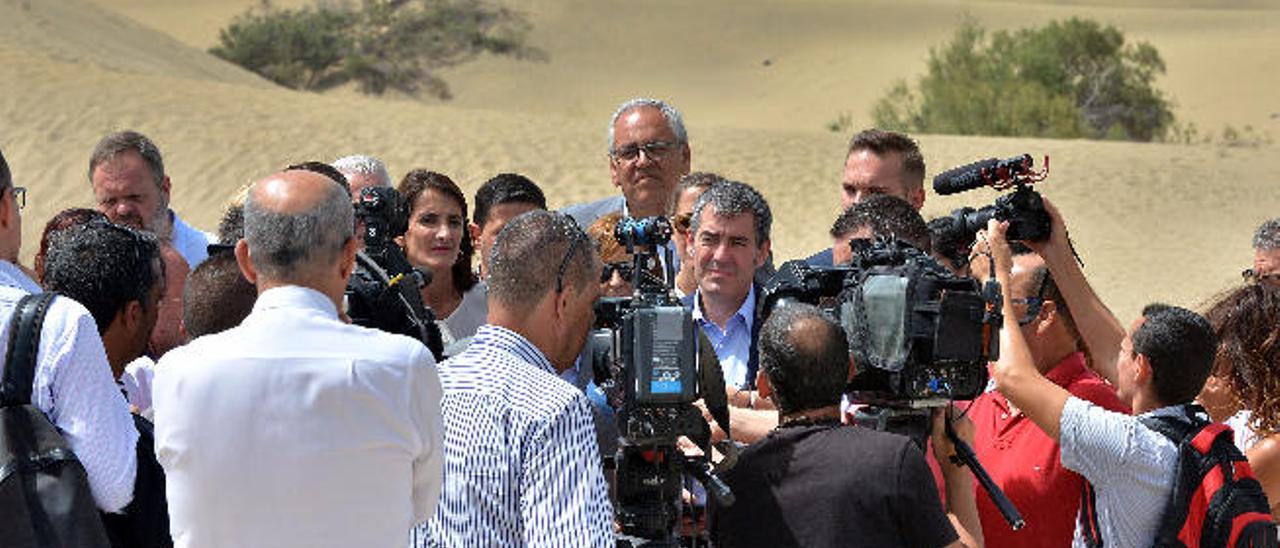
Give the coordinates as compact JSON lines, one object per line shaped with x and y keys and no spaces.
{"x":521,"y":463}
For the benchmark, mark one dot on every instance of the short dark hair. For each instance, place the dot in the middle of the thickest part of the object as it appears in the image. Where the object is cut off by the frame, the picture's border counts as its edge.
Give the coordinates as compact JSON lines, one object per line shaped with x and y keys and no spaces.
{"x":417,"y":182}
{"x":6,"y":176}
{"x":1181,"y":346}
{"x":216,"y":296}
{"x":805,"y":354}
{"x":506,"y":188}
{"x":698,"y":179}
{"x":886,"y":216}
{"x":231,"y":225}
{"x":732,"y":198}
{"x":528,"y":254}
{"x":881,"y":142}
{"x":123,"y":141}
{"x":65,"y":218}
{"x":104,"y":266}
{"x":323,"y":169}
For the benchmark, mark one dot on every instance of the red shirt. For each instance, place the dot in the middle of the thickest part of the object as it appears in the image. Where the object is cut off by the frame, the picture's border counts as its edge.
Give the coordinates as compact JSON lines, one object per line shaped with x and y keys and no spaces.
{"x":1025,"y":463}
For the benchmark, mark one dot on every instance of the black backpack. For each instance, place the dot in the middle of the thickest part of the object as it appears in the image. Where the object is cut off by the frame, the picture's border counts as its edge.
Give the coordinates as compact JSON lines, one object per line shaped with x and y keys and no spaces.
{"x":1216,"y":500}
{"x":44,"y":492}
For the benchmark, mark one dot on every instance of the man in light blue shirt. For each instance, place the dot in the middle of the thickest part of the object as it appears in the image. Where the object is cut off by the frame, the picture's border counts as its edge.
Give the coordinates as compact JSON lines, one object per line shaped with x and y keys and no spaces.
{"x":728,"y":240}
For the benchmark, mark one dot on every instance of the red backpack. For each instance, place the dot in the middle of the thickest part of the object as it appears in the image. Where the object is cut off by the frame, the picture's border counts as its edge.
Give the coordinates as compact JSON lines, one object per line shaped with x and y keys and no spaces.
{"x":1216,"y":501}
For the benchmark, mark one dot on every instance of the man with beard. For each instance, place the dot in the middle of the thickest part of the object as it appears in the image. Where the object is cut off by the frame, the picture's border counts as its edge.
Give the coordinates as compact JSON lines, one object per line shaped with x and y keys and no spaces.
{"x":131,"y":188}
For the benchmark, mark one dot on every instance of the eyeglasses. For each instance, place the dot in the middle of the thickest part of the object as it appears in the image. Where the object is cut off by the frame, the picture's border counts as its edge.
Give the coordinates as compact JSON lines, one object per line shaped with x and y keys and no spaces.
{"x":20,"y":196}
{"x":654,"y":150}
{"x":1033,"y":303}
{"x":625,"y":269}
{"x":1251,"y":276}
{"x":682,"y":222}
{"x":578,"y":238}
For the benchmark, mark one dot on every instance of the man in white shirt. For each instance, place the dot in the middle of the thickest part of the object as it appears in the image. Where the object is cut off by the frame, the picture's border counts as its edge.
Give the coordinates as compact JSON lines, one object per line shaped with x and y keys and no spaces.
{"x":295,"y":428}
{"x":130,"y":187}
{"x":73,"y":384}
{"x":1161,"y":366}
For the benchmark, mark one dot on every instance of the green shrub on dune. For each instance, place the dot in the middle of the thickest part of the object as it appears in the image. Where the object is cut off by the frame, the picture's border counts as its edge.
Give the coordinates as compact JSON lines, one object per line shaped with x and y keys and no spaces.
{"x":381,"y":45}
{"x":1068,"y":79}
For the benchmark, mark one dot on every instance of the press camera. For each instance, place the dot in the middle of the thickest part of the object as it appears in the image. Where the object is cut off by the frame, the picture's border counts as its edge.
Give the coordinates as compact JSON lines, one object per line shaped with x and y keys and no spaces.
{"x":645,"y":356}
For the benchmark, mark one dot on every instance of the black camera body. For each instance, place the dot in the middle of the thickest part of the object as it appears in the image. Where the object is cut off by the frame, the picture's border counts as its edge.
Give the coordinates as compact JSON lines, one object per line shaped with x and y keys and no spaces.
{"x":645,"y":357}
{"x":1023,"y":208}
{"x":385,"y":291}
{"x":918,"y":335}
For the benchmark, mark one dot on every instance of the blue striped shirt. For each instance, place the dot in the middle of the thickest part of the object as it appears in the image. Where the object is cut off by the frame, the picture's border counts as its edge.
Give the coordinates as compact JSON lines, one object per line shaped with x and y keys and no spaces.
{"x":521,"y":463}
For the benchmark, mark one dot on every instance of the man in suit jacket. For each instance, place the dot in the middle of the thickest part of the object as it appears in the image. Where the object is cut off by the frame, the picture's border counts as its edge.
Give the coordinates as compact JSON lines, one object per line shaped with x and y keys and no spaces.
{"x":648,"y":153}
{"x":728,"y":240}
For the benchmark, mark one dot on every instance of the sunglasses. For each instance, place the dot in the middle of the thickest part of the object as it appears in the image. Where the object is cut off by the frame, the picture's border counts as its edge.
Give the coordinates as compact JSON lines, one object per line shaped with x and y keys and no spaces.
{"x":624,"y":269}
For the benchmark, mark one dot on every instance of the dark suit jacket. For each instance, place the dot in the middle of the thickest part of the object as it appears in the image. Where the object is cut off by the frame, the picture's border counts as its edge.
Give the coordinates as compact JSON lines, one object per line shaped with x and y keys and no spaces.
{"x":753,"y":357}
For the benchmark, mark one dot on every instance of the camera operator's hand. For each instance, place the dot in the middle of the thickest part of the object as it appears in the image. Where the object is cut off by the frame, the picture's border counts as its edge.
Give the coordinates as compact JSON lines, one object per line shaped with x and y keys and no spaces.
{"x":943,"y":448}
{"x":1058,"y":243}
{"x":962,"y":509}
{"x":1001,"y":254}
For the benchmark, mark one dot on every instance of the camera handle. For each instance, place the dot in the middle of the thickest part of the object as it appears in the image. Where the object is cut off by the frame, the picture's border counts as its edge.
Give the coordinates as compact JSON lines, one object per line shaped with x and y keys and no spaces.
{"x":965,"y":457}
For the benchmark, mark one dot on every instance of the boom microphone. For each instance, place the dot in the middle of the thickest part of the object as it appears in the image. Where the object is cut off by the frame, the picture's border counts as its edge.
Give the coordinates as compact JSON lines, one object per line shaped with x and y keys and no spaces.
{"x":981,"y":173}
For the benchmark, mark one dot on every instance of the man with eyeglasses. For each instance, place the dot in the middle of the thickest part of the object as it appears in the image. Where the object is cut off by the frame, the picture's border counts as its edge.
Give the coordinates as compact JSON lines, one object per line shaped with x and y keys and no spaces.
{"x":1266,"y":254}
{"x":1068,"y":332}
{"x":522,"y":464}
{"x":73,"y":385}
{"x":648,"y":153}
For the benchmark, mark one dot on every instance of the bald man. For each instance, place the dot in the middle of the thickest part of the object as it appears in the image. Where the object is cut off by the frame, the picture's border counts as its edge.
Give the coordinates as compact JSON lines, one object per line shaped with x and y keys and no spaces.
{"x":294,"y":428}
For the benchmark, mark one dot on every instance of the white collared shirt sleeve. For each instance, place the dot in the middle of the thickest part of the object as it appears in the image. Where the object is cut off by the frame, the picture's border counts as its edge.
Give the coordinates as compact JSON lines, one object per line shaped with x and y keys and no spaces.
{"x":428,"y":468}
{"x":75,"y":389}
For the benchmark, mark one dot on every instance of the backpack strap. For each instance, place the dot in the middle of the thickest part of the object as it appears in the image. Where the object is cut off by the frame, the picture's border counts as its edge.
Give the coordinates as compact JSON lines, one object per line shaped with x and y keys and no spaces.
{"x":24,"y":344}
{"x":1090,"y":531}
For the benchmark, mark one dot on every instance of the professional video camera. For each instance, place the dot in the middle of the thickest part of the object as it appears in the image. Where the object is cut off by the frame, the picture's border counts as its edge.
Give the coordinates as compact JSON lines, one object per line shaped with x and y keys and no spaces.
{"x":1023,"y":208}
{"x":918,"y":335}
{"x":645,"y":356}
{"x":385,"y":291}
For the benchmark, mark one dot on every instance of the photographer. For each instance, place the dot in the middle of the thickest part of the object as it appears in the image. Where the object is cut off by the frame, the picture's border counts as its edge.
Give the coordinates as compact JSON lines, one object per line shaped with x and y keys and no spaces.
{"x":1162,"y":364}
{"x":815,"y":482}
{"x":1019,"y":456}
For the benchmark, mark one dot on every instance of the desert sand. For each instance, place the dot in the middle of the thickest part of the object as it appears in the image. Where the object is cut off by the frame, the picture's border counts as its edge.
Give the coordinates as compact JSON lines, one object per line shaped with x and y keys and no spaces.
{"x":1151,"y":221}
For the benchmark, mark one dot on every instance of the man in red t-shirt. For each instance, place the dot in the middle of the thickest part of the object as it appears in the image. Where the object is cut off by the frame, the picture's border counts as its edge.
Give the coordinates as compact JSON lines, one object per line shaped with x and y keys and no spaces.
{"x":1019,"y":456}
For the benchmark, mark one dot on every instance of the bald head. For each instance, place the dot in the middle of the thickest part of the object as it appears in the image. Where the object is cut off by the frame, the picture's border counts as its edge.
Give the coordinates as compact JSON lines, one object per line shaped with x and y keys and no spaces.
{"x":295,"y":221}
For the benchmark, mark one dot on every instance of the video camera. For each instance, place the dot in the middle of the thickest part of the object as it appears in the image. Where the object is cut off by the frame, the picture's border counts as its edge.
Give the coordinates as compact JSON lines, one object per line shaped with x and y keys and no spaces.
{"x":919,"y":335}
{"x":645,"y":356}
{"x":385,"y":291}
{"x":1023,"y":208}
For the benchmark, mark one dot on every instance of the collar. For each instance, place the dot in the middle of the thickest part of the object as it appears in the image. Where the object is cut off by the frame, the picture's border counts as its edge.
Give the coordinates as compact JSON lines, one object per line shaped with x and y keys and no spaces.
{"x":746,"y":312}
{"x":501,"y":338}
{"x":1063,"y":374}
{"x":1067,"y":370}
{"x":12,"y":276}
{"x":295,"y":296}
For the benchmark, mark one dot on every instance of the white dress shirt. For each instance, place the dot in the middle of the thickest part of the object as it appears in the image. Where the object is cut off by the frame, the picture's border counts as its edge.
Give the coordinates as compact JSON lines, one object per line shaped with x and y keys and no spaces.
{"x":75,"y":389}
{"x":296,"y":429}
{"x":1129,"y":465}
{"x":191,"y":243}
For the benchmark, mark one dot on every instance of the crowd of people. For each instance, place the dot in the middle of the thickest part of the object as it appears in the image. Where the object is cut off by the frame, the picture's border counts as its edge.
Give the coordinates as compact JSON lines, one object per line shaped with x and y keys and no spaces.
{"x":216,"y":393}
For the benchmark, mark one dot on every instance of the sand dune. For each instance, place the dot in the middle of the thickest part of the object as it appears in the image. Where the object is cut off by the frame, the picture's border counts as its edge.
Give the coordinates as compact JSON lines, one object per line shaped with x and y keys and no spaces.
{"x":1151,"y":221}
